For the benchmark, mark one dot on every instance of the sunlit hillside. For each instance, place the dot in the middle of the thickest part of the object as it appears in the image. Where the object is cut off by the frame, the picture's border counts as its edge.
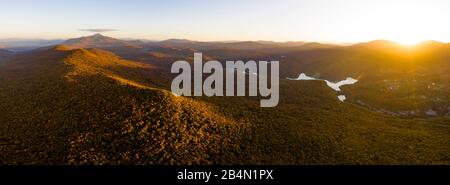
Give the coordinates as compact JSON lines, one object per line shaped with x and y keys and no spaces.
{"x":63,"y":106}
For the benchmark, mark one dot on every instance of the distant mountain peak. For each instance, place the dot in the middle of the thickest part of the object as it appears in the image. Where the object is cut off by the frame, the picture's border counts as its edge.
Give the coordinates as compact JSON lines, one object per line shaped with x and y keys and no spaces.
{"x":98,"y":41}
{"x":431,"y":43}
{"x":378,"y":44}
{"x":381,"y":42}
{"x":97,"y":35}
{"x":61,"y":48}
{"x":4,"y":52}
{"x":177,"y":41}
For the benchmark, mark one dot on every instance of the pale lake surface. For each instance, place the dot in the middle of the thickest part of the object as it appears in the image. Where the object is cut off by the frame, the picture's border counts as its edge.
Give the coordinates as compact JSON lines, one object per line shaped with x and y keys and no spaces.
{"x":333,"y":85}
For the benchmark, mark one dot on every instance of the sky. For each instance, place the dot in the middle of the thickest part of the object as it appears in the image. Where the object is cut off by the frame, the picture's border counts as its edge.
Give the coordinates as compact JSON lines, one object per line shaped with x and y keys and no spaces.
{"x":339,"y":21}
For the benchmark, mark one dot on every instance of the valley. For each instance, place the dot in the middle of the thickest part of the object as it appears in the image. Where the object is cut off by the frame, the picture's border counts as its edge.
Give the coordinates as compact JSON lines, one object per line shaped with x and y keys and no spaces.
{"x":101,"y":100}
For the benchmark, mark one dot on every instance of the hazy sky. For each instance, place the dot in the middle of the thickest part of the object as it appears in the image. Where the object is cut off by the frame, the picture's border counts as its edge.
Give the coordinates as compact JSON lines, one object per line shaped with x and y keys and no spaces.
{"x":280,"y":20}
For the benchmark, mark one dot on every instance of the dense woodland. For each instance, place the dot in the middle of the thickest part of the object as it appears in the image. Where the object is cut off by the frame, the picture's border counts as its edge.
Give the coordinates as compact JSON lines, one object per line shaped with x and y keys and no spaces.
{"x":66,"y":105}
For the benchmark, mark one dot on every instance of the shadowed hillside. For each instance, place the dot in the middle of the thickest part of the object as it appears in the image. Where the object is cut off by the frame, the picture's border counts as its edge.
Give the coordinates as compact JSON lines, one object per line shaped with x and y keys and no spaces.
{"x":311,"y":126}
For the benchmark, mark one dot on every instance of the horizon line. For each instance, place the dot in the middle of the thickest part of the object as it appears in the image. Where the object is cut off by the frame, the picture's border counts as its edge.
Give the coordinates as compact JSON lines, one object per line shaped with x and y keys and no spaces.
{"x":229,"y":40}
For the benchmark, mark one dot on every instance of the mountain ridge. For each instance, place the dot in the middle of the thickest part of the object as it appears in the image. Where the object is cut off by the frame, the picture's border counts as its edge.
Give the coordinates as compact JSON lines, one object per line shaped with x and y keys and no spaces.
{"x":4,"y":52}
{"x":98,"y":41}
